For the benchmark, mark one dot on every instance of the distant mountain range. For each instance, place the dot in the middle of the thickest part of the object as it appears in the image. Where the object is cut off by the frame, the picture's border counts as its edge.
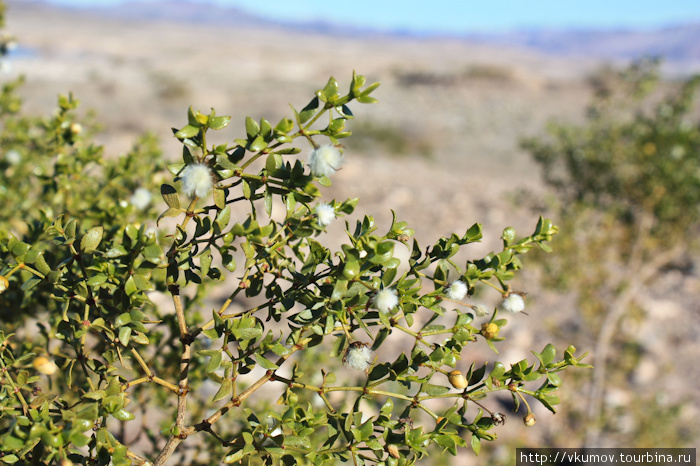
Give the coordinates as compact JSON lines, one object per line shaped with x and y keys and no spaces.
{"x":675,"y":43}
{"x":679,"y":43}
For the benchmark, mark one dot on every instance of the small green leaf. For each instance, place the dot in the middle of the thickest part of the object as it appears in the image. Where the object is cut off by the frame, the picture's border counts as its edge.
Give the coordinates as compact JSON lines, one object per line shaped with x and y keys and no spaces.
{"x":251,"y":127}
{"x":219,"y":122}
{"x":435,"y":390}
{"x":284,"y":126}
{"x":554,"y":379}
{"x":214,"y":362}
{"x":170,"y":196}
{"x":548,"y":354}
{"x":41,"y":264}
{"x":228,"y":261}
{"x":266,"y":363}
{"x":122,"y":320}
{"x":30,"y":283}
{"x":140,"y":338}
{"x":123,"y":415}
{"x":171,"y":212}
{"x":91,"y":239}
{"x":223,"y":218}
{"x":187,"y":132}
{"x":90,"y":412}
{"x":295,"y":441}
{"x":273,"y":163}
{"x":192,"y":116}
{"x":235,"y":456}
{"x":331,"y":89}
{"x":124,"y":335}
{"x":476,"y":444}
{"x":93,"y":395}
{"x":224,"y":390}
{"x":142,"y":282}
{"x":130,"y":286}
{"x":97,"y":279}
{"x":268,"y":202}
{"x":309,"y":111}
{"x":258,"y":144}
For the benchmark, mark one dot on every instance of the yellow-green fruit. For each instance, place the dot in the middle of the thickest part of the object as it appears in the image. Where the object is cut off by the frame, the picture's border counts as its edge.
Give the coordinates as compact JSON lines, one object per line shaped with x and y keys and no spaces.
{"x":457,"y":380}
{"x":529,"y":420}
{"x":489,"y":330}
{"x":351,"y":270}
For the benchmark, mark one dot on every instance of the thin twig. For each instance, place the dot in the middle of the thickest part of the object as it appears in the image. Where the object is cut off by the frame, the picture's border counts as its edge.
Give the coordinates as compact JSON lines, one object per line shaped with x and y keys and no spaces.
{"x":642,"y":273}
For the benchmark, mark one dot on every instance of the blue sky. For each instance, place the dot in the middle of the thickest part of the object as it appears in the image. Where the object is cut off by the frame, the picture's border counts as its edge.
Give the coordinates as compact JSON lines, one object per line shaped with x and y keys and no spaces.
{"x":464,"y":16}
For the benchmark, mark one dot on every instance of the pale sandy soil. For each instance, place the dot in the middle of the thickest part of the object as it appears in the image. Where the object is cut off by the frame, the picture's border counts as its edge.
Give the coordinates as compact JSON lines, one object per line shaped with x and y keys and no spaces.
{"x":141,"y":76}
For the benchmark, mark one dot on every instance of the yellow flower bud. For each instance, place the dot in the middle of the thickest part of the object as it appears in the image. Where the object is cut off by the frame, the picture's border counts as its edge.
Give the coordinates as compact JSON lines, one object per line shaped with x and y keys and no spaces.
{"x":393,"y":451}
{"x":489,"y":330}
{"x":45,"y":365}
{"x":457,"y":380}
{"x":3,"y":283}
{"x":529,"y":420}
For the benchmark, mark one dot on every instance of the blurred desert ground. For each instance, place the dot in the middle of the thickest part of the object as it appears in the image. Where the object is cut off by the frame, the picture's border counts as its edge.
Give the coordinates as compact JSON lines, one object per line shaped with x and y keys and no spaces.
{"x":440,"y":148}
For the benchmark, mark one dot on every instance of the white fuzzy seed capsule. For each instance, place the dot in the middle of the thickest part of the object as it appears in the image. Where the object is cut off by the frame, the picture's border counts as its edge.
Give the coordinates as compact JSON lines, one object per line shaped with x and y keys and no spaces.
{"x":480,"y":310}
{"x":325,"y":214}
{"x":514,"y":303}
{"x":13,"y":157}
{"x":196,"y":180}
{"x":325,"y":160}
{"x":457,"y":290}
{"x":385,"y":300}
{"x":141,"y":198}
{"x":358,"y":356}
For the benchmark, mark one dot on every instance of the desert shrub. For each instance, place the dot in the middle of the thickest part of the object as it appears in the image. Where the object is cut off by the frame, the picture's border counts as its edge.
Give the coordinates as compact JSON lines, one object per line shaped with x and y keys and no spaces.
{"x":210,"y":323}
{"x":627,"y":189}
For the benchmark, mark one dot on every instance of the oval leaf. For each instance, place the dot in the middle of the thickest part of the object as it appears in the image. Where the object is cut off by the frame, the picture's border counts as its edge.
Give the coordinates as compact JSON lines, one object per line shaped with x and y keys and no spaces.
{"x":170,"y":196}
{"x":91,"y":239}
{"x":266,"y":363}
{"x":123,"y":415}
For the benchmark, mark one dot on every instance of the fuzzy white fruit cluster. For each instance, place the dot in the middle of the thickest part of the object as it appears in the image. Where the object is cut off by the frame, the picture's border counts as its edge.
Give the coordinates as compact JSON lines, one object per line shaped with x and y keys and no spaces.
{"x":325,"y":160}
{"x":196,"y":180}
{"x":325,"y":214}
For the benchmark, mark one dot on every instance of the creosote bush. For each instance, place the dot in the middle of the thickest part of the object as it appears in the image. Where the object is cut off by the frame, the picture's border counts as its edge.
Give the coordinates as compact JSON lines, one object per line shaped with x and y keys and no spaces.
{"x":627,"y":181}
{"x":290,"y":365}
